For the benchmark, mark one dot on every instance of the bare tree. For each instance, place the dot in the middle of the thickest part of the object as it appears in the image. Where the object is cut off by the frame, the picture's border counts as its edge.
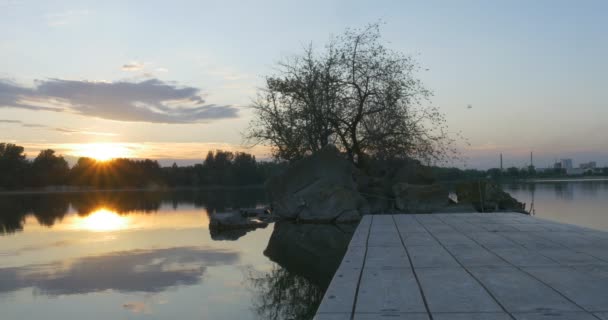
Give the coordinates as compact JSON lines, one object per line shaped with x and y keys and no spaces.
{"x":358,"y":95}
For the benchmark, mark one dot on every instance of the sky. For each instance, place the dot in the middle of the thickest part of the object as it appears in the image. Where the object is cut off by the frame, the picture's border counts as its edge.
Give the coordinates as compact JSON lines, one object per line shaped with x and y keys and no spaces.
{"x":171,"y":80}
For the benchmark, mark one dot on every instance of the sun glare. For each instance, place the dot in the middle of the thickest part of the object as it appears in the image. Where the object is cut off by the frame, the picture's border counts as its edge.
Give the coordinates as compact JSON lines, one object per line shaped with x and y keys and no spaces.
{"x":103,"y":151}
{"x":102,"y":220}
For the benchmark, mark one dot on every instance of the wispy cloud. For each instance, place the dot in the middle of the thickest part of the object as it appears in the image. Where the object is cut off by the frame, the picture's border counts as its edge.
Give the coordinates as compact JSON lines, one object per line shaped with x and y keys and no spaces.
{"x":150,"y":100}
{"x":133,"y":66}
{"x":58,"y":129}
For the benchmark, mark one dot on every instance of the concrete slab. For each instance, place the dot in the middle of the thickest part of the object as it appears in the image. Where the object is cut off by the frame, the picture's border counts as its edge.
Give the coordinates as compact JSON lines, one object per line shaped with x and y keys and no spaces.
{"x":554,"y":315}
{"x":391,"y":316}
{"x":454,"y":239}
{"x":391,"y":290}
{"x":332,"y":316}
{"x":585,"y":289}
{"x":384,"y":239}
{"x":470,"y":266}
{"x":391,"y":257}
{"x":340,"y":295}
{"x":529,"y":241}
{"x":472,"y":316}
{"x":475,"y":256}
{"x":516,"y":291}
{"x":602,"y":315}
{"x":492,"y":240}
{"x":522,"y":257}
{"x":431,"y":257}
{"x":570,"y":257}
{"x":353,"y":258}
{"x":454,"y":290}
{"x":418,"y":239}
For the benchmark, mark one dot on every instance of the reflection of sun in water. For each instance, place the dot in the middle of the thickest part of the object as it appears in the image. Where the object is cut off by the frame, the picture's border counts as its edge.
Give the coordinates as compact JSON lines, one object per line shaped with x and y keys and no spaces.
{"x":103,"y":151}
{"x":103,"y":220}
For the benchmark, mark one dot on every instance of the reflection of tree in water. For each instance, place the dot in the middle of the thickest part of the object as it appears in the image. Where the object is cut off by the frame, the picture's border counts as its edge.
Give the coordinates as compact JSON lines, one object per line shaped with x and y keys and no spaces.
{"x":280,"y":294}
{"x":308,"y":255}
{"x":12,"y":214}
{"x":51,"y":208}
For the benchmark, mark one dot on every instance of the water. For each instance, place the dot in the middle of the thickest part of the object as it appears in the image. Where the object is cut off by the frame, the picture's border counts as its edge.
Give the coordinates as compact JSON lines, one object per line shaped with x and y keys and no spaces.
{"x":579,"y":202}
{"x":150,"y":255}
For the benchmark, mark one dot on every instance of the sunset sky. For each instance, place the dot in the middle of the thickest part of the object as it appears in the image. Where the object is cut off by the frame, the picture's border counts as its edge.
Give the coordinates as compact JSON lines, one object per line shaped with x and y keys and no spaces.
{"x":171,"y":80}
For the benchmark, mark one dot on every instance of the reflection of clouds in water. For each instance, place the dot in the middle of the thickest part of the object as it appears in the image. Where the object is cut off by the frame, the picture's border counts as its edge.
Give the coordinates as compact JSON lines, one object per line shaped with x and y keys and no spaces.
{"x":128,"y":271}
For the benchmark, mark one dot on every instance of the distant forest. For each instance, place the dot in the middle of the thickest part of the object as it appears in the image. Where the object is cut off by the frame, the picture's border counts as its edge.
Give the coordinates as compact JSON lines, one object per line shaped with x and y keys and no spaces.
{"x":219,"y":168}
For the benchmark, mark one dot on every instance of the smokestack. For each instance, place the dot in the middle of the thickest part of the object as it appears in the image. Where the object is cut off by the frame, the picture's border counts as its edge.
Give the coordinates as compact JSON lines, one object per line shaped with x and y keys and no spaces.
{"x":501,"y":162}
{"x":531,"y":159}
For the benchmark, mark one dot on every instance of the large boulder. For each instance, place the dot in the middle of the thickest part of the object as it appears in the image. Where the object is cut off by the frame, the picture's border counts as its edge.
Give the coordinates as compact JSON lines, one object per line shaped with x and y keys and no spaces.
{"x":420,"y":198}
{"x":319,"y":188}
{"x":487,"y":196}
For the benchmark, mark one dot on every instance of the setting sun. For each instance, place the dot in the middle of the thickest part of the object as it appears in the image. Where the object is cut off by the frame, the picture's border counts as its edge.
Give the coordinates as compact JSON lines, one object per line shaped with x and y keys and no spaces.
{"x":102,"y":220}
{"x":103,"y":151}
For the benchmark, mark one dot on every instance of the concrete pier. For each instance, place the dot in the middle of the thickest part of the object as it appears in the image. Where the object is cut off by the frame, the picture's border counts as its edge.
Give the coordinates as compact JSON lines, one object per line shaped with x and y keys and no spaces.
{"x":489,"y":266}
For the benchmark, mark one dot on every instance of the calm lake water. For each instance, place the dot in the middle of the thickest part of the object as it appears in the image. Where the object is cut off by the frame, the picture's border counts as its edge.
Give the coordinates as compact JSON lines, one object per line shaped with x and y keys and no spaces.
{"x":150,"y":255}
{"x":580,"y":202}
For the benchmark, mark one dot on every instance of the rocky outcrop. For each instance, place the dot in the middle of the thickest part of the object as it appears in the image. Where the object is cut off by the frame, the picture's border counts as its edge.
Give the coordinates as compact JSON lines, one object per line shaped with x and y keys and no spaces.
{"x":319,"y":188}
{"x":412,"y":198}
{"x":487,"y":196}
{"x":233,"y":225}
{"x":325,"y":187}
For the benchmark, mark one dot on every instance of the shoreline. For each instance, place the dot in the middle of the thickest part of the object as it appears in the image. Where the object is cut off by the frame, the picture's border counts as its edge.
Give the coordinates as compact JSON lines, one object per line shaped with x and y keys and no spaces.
{"x":573,"y":179}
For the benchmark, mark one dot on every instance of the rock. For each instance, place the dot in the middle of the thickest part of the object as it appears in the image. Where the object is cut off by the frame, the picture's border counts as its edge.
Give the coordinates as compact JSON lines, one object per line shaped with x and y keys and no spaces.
{"x":420,"y":198}
{"x":232,"y":225}
{"x":487,"y":196}
{"x":319,"y":188}
{"x":254,"y":212}
{"x":313,"y":251}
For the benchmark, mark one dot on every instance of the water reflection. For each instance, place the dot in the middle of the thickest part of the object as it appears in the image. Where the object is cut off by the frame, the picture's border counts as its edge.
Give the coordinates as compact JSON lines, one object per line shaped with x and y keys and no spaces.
{"x":51,"y":208}
{"x":581,"y":202}
{"x":130,"y":271}
{"x":102,"y":220}
{"x":113,"y":254}
{"x":308,"y":256}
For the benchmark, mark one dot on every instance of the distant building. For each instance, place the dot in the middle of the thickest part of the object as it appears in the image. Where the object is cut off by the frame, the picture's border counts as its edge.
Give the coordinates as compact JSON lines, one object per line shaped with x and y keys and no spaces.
{"x":588,"y":165}
{"x":557,"y":165}
{"x":566,"y":164}
{"x":575,"y":171}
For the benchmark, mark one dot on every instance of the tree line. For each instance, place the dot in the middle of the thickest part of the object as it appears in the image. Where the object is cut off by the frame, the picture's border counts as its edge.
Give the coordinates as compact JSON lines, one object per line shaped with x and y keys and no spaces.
{"x":219,"y":168}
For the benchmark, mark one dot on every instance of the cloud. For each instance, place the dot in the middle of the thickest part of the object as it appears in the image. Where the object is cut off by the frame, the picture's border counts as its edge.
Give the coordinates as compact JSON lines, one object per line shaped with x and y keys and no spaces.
{"x":133,"y":66}
{"x":137,"y":307}
{"x":146,"y":101}
{"x":128,"y":271}
{"x":62,"y":130}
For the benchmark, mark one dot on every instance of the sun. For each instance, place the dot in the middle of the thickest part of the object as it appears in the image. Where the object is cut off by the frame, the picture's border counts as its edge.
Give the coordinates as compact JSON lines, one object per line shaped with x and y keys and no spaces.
{"x":103,"y":151}
{"x":102,"y":220}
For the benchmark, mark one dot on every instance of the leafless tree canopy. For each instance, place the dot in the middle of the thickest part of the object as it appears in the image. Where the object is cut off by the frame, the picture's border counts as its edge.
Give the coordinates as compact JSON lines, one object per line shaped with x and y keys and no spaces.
{"x":356,"y":94}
